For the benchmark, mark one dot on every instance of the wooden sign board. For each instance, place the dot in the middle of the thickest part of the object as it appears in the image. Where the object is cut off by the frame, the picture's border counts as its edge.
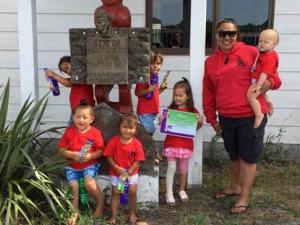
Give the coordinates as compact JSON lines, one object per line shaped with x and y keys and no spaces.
{"x":119,"y":58}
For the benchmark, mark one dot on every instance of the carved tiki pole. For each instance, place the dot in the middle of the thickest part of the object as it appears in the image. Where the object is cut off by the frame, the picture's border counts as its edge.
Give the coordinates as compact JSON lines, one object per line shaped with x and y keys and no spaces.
{"x":120,"y":17}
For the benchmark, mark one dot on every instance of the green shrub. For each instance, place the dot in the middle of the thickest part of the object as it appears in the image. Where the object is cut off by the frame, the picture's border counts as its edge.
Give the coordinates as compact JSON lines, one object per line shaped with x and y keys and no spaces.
{"x":26,"y":190}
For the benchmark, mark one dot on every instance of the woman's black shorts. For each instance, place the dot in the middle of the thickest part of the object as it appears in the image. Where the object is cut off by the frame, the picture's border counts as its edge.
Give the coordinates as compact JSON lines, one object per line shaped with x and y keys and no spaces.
{"x":241,"y":139}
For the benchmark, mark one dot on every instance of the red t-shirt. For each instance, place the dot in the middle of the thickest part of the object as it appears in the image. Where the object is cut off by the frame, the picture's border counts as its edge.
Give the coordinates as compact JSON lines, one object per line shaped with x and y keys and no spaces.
{"x":144,"y":105}
{"x":73,"y":140}
{"x":268,"y":63}
{"x":180,"y":142}
{"x":79,"y":92}
{"x":124,"y":155}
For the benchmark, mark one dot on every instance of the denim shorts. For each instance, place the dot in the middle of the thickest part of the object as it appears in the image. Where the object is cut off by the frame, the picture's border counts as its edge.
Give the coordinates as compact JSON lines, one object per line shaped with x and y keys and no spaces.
{"x":114,"y":180}
{"x":73,"y":174}
{"x":147,"y":121}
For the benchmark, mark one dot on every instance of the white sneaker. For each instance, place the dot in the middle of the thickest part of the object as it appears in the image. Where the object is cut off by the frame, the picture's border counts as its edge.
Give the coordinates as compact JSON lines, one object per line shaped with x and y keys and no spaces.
{"x":170,"y":199}
{"x":183,"y":196}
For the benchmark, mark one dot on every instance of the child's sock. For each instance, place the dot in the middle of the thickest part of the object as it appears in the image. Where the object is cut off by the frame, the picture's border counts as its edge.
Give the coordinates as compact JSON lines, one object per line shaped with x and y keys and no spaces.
{"x":170,"y":177}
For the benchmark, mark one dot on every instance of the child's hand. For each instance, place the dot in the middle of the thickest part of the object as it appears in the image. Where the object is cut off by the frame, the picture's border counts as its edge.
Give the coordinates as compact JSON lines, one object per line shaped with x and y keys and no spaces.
{"x":160,"y":119}
{"x":75,"y":156}
{"x":50,"y":73}
{"x":164,"y":85}
{"x":151,"y":88}
{"x":120,"y":170}
{"x":87,"y":157}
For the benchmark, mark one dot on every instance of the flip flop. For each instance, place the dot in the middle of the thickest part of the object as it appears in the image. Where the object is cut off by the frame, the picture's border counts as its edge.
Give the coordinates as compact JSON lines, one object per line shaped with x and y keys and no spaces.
{"x":240,"y":209}
{"x":223,"y":194}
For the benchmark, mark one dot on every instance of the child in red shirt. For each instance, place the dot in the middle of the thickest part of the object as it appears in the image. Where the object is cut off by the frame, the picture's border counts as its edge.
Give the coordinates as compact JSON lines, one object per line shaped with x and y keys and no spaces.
{"x":78,"y":92}
{"x":148,"y":94}
{"x":264,"y":67}
{"x":124,"y":153}
{"x":180,"y":148}
{"x":86,"y":165}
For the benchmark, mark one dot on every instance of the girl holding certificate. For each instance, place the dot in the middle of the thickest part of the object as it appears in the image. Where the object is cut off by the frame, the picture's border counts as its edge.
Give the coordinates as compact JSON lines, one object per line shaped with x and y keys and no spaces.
{"x":179,"y":148}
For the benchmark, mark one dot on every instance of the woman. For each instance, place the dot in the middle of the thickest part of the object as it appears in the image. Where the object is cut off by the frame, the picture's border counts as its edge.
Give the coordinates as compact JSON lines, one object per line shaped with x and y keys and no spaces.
{"x":225,"y":84}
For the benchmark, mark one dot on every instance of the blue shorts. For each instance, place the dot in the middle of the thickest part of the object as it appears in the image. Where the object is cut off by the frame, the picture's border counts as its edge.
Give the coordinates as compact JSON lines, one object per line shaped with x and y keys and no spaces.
{"x":147,"y":121}
{"x":74,"y":174}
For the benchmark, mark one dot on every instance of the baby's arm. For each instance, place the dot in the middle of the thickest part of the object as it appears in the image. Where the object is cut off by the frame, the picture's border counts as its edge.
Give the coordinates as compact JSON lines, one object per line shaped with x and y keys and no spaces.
{"x":262,"y":79}
{"x":64,"y":81}
{"x":71,"y":155}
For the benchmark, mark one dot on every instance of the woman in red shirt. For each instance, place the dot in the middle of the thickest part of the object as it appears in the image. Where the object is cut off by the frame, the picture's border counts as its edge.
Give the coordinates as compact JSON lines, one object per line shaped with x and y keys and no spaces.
{"x":226,"y":80}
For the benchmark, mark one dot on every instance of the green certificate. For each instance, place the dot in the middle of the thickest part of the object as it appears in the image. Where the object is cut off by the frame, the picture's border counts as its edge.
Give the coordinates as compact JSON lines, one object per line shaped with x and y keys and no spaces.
{"x":179,"y":123}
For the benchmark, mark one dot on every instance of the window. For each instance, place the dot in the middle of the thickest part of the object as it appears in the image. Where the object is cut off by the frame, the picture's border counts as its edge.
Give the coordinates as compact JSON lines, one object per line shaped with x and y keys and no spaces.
{"x":169,"y":21}
{"x":170,"y":24}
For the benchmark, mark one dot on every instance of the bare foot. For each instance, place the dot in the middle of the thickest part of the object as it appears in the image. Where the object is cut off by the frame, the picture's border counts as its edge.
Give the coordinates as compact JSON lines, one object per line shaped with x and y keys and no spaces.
{"x":258,"y":119}
{"x":73,"y":219}
{"x":133,"y":219}
{"x":271,"y":108}
{"x":98,"y":211}
{"x":112,"y":221}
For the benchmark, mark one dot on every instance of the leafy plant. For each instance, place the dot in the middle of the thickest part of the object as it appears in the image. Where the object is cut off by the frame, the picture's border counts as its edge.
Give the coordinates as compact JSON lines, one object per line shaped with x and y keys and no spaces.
{"x":26,"y":190}
{"x":215,"y":157}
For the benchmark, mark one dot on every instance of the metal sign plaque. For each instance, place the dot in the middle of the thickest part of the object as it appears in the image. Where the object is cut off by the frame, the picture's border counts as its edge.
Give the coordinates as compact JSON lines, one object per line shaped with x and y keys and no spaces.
{"x":107,"y":60}
{"x":120,"y":57}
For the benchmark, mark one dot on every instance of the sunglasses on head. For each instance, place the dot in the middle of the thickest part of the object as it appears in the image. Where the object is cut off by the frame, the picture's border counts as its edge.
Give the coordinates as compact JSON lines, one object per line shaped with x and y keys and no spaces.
{"x":224,"y":33}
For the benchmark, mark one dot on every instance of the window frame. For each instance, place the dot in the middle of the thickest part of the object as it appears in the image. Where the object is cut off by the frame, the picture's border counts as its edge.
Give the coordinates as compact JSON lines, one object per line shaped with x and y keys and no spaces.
{"x":215,"y":17}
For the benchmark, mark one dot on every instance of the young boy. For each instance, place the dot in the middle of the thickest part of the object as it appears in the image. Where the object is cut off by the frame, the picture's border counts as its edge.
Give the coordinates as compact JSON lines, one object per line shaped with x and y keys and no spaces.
{"x":78,"y":91}
{"x":264,"y":67}
{"x":85,"y":165}
{"x":124,"y":153}
{"x":148,"y":94}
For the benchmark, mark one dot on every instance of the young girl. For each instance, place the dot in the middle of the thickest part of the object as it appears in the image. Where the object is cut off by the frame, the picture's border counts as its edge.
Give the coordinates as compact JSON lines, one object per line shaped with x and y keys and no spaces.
{"x":180,"y":148}
{"x":86,"y":165}
{"x":124,"y":153}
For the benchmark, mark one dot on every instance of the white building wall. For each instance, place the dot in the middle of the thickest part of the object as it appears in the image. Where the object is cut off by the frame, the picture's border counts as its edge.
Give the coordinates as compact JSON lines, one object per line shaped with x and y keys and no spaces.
{"x":55,"y":17}
{"x":287,"y":98}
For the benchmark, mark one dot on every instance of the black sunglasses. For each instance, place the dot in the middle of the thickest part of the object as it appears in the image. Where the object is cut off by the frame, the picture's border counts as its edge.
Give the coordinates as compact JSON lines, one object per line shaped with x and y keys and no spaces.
{"x":224,"y":33}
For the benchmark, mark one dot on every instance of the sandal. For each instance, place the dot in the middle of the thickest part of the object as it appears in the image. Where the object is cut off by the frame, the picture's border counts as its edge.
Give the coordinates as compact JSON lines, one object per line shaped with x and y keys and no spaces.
{"x":170,"y":199}
{"x":183,"y":196}
{"x":239,"y":209}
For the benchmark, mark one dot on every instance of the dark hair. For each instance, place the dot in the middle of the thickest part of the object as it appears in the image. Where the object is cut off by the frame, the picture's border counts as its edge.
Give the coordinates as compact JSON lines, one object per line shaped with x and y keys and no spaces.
{"x":154,"y":56}
{"x":233,"y":22}
{"x":185,"y":84}
{"x":130,"y":118}
{"x":64,"y":59}
{"x":83,"y":104}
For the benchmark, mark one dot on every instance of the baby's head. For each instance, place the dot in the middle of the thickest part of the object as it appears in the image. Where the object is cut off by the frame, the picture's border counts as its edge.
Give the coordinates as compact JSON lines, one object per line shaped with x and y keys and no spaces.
{"x":268,"y":39}
{"x":64,"y":64}
{"x":156,"y":61}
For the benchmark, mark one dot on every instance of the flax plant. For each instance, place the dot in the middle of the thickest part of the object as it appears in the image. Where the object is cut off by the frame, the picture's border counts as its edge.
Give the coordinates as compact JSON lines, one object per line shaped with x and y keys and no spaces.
{"x":26,"y":189}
